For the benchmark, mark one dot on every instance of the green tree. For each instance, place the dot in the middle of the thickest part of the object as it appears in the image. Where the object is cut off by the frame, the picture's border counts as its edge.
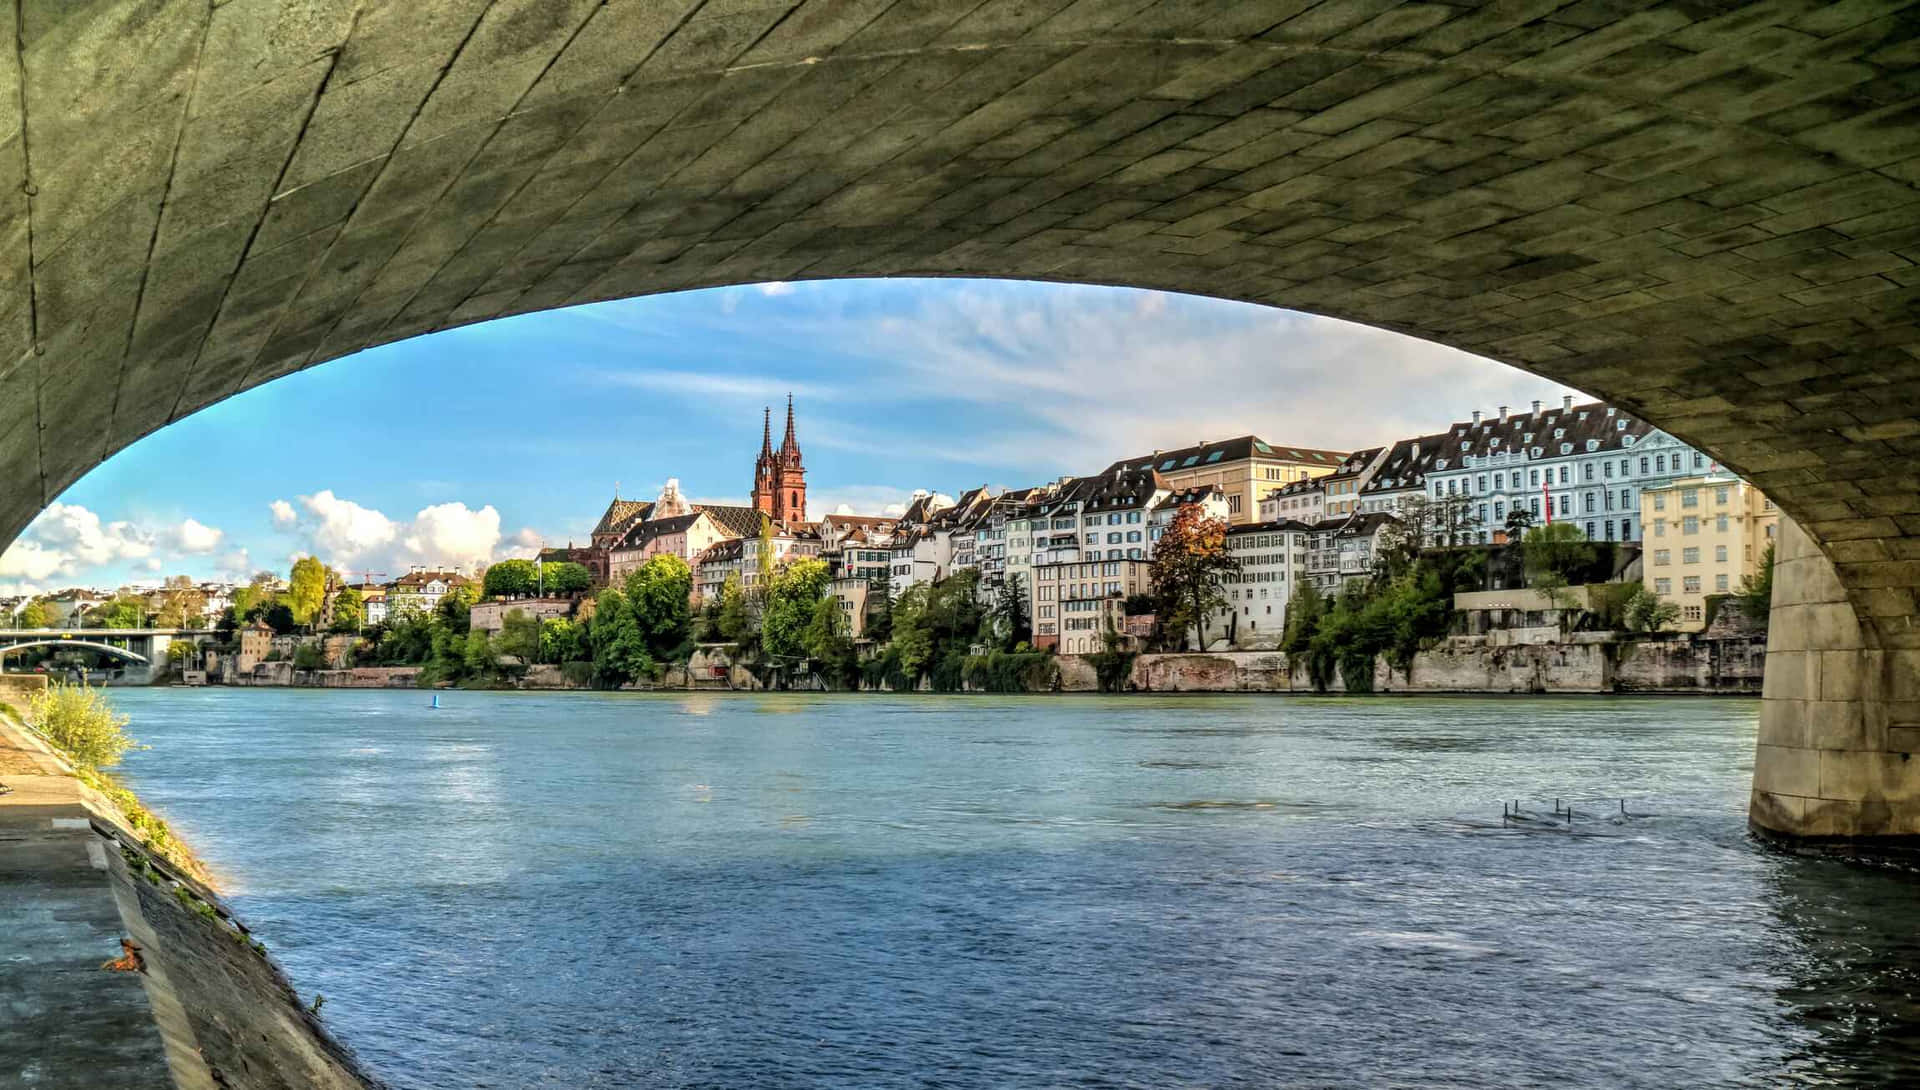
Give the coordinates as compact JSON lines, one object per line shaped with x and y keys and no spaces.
{"x":37,"y":614}
{"x":1190,"y":563}
{"x":565,"y":577}
{"x":791,"y":600}
{"x":562,"y":640}
{"x":120,"y":611}
{"x":477,"y":654}
{"x":519,"y":636}
{"x":349,"y":611}
{"x":660,"y":594}
{"x":1304,"y":611}
{"x":912,"y":639}
{"x":1519,"y":521}
{"x":1010,"y":611}
{"x":509,"y":579}
{"x":619,"y":648}
{"x":1648,"y":612}
{"x":279,"y":617}
{"x":827,"y":643}
{"x":455,"y":608}
{"x":1757,"y":590}
{"x":735,"y":620}
{"x":307,"y":589}
{"x":309,"y":656}
{"x":1558,"y":549}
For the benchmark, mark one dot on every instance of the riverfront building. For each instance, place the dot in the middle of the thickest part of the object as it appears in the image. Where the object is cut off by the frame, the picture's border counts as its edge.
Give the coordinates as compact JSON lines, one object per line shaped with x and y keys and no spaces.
{"x":1706,"y":534}
{"x":1244,"y":468}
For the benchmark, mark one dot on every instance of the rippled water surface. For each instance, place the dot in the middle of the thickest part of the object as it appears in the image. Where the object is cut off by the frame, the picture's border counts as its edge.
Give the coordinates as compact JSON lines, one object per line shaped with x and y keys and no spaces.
{"x":573,"y":890}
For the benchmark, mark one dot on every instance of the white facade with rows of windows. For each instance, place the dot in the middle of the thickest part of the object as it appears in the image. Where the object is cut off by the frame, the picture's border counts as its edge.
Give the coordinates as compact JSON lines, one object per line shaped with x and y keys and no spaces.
{"x":1585,"y":466}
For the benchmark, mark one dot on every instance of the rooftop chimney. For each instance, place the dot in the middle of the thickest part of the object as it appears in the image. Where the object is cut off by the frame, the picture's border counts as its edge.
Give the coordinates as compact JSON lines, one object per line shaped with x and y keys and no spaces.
{"x":1566,"y":402}
{"x":1536,"y":408}
{"x":1476,"y":418}
{"x":1503,"y":414}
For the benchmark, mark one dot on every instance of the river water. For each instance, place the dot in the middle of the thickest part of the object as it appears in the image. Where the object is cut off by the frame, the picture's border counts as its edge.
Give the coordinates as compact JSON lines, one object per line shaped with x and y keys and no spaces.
{"x":720,"y":890}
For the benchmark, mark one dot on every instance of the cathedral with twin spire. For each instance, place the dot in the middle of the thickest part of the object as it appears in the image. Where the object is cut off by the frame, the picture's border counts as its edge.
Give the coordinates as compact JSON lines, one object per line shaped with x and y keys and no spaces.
{"x":779,"y":476}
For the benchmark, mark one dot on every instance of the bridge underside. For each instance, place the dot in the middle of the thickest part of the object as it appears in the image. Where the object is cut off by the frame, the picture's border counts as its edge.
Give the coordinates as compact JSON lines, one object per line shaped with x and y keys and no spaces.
{"x":1705,"y":212}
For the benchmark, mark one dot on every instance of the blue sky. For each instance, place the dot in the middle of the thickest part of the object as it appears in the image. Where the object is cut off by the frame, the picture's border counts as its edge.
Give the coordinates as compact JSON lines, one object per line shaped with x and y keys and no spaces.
{"x":481,"y":442}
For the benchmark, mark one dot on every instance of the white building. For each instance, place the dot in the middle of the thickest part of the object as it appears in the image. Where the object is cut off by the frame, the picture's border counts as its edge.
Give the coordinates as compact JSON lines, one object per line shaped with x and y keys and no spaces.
{"x":1273,"y":558}
{"x":1583,"y":464}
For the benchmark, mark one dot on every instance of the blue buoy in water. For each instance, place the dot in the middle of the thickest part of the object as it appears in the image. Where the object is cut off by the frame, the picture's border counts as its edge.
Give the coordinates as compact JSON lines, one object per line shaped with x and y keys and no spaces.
{"x":436,"y":700}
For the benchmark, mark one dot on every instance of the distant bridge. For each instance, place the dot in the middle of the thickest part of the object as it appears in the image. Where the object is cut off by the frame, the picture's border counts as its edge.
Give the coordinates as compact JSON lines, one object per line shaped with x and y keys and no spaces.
{"x":140,"y":646}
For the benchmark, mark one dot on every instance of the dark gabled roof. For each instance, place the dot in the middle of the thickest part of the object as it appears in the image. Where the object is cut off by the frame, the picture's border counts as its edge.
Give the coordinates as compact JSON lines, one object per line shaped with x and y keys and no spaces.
{"x":642,"y":532}
{"x":737,"y":521}
{"x":1239,"y":448}
{"x":1291,"y":526}
{"x":1594,"y":422}
{"x":1186,"y":496}
{"x":620,"y":513}
{"x":721,"y":552}
{"x":422,"y":578}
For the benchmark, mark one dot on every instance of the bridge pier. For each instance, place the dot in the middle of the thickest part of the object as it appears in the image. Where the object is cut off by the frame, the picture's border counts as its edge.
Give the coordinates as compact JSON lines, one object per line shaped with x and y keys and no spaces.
{"x":1839,"y":748}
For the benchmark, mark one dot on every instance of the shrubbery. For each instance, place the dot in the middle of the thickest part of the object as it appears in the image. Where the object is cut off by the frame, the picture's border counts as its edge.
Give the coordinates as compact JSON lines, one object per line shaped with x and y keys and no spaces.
{"x":79,"y":720}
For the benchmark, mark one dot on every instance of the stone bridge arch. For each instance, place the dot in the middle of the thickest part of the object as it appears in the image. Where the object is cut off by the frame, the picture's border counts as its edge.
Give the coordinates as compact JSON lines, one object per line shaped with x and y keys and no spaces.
{"x":1705,"y":212}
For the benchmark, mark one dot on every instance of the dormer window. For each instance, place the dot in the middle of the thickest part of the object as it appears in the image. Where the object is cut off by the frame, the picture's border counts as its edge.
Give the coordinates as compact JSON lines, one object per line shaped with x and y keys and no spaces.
{"x":1559,"y":433}
{"x":1626,"y":440}
{"x":1494,"y":442}
{"x":1618,"y":425}
{"x":1593,"y":444}
{"x":1465,"y":446}
{"x":1536,"y":452}
{"x":1527,"y":438}
{"x":1566,"y":448}
{"x":1440,"y":463}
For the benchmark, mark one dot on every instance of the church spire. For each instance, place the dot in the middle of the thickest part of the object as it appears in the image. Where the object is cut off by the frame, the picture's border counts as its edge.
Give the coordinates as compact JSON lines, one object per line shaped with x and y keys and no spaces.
{"x":790,"y":446}
{"x":766,"y":434}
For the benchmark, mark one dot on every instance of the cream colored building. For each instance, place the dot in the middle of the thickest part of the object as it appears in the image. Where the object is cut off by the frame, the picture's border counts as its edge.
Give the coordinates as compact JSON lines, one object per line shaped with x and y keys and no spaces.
{"x":1244,"y":468}
{"x":1704,"y":536}
{"x":1075,"y":604}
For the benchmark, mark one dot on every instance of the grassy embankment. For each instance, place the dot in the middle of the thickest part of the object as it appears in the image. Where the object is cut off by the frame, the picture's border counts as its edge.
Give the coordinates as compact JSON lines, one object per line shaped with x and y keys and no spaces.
{"x":82,"y":726}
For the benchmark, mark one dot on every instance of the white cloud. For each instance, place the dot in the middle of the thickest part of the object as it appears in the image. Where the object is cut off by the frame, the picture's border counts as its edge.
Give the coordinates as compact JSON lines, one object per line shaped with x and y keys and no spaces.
{"x":767,"y":389}
{"x":353,"y":537}
{"x":195,"y":537}
{"x":151,"y":564}
{"x":283,"y":513}
{"x":776,"y":287}
{"x":236,"y":565}
{"x":33,"y":561}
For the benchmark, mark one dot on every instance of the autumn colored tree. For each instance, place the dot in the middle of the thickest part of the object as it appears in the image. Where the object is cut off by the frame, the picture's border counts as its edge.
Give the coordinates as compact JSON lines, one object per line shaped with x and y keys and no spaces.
{"x":306,"y":589}
{"x":1190,"y":562}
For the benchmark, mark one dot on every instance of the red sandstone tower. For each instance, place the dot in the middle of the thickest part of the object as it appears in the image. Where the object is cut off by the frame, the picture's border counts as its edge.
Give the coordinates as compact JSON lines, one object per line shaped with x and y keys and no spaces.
{"x":780,"y":477}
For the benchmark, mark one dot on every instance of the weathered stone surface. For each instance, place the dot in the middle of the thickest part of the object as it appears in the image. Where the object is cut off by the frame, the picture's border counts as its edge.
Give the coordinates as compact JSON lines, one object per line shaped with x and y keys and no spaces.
{"x":1706,"y":213}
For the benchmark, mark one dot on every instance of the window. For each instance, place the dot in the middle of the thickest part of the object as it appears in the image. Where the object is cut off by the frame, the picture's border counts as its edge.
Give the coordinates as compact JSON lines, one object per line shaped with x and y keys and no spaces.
{"x":1499,"y":509}
{"x":1720,"y":583}
{"x":1133,"y":535}
{"x":1699,"y":460}
{"x":1626,"y":529}
{"x":1659,"y":527}
{"x":1587,"y":471}
{"x":1660,"y":463}
{"x":1609,"y":529}
{"x":1534,"y":504}
{"x":1720,"y":496}
{"x":1690,"y":525}
{"x":1720,"y":553}
{"x":1535,"y":478}
{"x":1659,"y":501}
{"x":1690,"y":555}
{"x":1133,"y":516}
{"x":1114,"y":538}
{"x":1483,"y":483}
{"x":1690,"y":584}
{"x":1643,"y":465}
{"x":1720,"y":523}
{"x":1606,"y":469}
{"x":1560,"y":506}
{"x":1690,"y":497}
{"x":1588,"y":504}
{"x":1626,"y":499}
{"x":1233,"y":503}
{"x":1563,"y":474}
{"x":1590,"y":536}
{"x":1662,"y":557}
{"x":1663,"y":586}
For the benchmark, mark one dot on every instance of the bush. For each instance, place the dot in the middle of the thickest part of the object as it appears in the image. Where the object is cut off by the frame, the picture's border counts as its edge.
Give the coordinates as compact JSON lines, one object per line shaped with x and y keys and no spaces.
{"x":79,"y":720}
{"x":1113,"y":669}
{"x":1012,"y":672}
